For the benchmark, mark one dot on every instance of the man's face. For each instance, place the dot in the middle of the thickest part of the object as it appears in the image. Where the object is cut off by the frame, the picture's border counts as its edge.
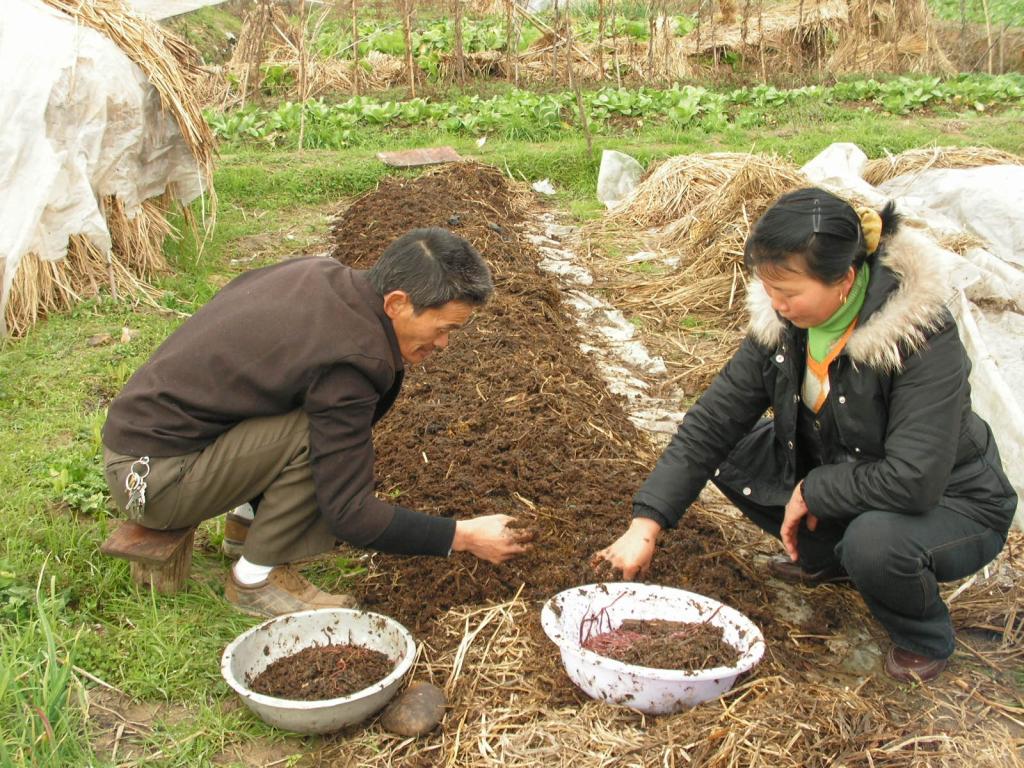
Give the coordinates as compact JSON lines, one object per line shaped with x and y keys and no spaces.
{"x":420,"y":334}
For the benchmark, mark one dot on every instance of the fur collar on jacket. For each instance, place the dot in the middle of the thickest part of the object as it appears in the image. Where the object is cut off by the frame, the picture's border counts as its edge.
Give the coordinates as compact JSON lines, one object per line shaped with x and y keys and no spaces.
{"x":913,"y":310}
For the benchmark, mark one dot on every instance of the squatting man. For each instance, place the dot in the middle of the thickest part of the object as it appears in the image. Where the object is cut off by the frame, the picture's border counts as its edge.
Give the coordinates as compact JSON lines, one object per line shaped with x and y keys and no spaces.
{"x":268,"y":395}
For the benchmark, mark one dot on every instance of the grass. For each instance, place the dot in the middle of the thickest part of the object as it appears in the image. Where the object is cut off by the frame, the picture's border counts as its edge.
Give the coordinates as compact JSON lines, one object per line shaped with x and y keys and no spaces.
{"x":62,"y":605}
{"x":1000,"y":12}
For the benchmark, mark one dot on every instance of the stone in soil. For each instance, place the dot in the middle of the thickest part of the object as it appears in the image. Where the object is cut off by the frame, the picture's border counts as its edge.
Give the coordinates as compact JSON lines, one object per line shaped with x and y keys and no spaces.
{"x":416,"y":711}
{"x":322,"y":672}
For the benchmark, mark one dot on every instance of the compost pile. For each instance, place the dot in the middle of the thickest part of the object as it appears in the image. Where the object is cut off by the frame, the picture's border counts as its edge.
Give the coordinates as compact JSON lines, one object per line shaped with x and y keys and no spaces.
{"x":322,"y":672}
{"x":513,"y":418}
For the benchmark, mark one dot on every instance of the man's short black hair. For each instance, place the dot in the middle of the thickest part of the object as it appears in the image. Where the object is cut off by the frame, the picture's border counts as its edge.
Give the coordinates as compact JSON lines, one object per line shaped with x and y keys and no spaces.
{"x":434,"y":266}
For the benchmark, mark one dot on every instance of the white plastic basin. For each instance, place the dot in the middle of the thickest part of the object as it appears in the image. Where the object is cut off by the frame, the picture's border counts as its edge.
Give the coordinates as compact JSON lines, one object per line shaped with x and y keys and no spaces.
{"x":253,"y":651}
{"x":652,"y":691}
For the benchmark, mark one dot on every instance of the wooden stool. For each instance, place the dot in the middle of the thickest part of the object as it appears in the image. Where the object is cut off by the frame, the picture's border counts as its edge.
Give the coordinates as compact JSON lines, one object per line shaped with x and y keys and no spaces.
{"x":161,"y":559}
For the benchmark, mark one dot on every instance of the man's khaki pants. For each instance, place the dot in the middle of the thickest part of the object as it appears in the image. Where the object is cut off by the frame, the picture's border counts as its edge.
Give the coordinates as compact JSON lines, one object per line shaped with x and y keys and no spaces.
{"x":268,"y":456}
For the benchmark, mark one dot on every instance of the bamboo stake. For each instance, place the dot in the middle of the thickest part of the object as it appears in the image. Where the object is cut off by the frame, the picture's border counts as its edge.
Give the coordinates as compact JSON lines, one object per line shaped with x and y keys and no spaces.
{"x":407,"y":6}
{"x":760,"y":40}
{"x":651,"y":14}
{"x":988,"y":33}
{"x":303,"y":67}
{"x":963,"y":32}
{"x":574,"y":82}
{"x":600,"y":37}
{"x":460,"y":60}
{"x":615,"y":45}
{"x":554,"y":44}
{"x":355,"y":48}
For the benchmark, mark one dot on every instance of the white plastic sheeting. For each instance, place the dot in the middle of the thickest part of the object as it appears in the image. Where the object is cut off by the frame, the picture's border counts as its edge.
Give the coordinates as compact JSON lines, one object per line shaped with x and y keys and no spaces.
{"x":80,"y":122}
{"x":164,"y":9}
{"x":617,"y":177}
{"x":986,"y":284}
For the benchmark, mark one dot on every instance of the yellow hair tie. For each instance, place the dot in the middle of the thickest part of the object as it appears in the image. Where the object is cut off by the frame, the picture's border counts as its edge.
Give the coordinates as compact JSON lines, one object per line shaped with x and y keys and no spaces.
{"x":871,"y":226}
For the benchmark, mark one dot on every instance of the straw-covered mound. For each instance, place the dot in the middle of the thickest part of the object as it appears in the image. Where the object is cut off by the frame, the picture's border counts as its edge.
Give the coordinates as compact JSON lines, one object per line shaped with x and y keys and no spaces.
{"x":914,"y":160}
{"x":697,"y":209}
{"x":173,"y":68}
{"x":788,"y":26}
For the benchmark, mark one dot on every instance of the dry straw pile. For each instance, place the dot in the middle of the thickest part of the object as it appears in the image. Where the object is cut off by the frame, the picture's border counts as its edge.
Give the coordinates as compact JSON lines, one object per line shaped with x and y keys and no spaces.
{"x":172,"y":67}
{"x":890,"y":36}
{"x":697,"y":209}
{"x":915,"y":160}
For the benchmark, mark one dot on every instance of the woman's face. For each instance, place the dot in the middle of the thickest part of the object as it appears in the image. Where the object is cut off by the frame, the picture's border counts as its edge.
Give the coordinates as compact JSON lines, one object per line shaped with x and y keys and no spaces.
{"x":803,"y":300}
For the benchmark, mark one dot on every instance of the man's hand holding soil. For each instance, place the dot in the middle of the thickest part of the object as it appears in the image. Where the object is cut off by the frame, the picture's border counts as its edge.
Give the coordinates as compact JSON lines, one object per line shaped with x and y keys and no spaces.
{"x":491,"y":538}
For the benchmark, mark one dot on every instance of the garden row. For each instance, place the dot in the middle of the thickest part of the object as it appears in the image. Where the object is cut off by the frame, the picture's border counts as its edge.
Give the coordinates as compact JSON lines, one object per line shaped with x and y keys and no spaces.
{"x":520,"y":114}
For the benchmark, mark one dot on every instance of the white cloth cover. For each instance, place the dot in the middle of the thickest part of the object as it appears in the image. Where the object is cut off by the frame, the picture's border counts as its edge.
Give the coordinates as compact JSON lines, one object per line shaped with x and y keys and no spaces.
{"x":80,"y":121}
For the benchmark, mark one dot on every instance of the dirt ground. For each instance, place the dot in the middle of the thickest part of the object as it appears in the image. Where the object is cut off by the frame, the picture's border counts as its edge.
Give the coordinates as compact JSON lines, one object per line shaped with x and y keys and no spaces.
{"x":514,"y":418}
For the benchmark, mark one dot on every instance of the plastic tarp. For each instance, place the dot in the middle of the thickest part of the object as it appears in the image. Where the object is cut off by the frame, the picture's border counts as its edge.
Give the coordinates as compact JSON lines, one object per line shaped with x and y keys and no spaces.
{"x":164,"y":9}
{"x":80,"y":122}
{"x":986,"y":284}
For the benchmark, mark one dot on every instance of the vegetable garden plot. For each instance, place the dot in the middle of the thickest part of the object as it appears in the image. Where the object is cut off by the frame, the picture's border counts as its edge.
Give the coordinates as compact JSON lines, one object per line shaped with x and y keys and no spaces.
{"x":513,"y":418}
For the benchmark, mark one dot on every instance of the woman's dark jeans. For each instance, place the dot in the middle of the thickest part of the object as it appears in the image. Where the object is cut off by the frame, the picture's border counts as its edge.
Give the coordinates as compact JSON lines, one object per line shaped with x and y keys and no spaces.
{"x":896,"y":562}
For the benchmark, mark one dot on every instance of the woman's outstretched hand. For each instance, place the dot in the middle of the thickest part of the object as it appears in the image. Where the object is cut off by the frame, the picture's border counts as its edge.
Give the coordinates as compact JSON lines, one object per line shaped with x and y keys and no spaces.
{"x":632,"y":551}
{"x":796,"y":510}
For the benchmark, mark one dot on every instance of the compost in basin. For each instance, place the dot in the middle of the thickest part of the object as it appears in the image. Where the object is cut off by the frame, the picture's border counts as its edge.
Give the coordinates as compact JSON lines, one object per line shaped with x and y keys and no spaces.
{"x":322,"y":672}
{"x":514,"y":418}
{"x":662,"y":644}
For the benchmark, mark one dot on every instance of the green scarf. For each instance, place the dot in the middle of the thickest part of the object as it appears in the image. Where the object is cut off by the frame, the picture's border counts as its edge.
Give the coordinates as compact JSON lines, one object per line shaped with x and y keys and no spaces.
{"x":821,"y":338}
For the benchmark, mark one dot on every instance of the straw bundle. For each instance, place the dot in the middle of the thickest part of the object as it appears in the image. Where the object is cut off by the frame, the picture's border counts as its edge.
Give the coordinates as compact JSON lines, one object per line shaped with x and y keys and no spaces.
{"x":701,"y":208}
{"x":672,"y":188}
{"x":376,"y":71}
{"x":915,"y":160}
{"x":550,"y":56}
{"x":269,"y":38}
{"x":477,"y":64}
{"x":778,"y":27}
{"x":40,"y":286}
{"x":890,"y":36}
{"x":247,"y":56}
{"x":977,"y":48}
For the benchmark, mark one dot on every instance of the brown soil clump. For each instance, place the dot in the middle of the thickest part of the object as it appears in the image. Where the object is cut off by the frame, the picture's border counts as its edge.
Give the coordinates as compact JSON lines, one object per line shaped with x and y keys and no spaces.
{"x":660,"y":644}
{"x":323,"y":672}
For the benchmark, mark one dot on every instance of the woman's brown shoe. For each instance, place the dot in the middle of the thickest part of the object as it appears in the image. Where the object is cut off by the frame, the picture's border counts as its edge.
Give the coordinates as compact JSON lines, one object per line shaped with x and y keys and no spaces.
{"x":910,"y":667}
{"x":784,"y":568}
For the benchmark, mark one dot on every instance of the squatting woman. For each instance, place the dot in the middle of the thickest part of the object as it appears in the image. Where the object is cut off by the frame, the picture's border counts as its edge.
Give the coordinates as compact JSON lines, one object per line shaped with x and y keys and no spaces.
{"x":874,"y":468}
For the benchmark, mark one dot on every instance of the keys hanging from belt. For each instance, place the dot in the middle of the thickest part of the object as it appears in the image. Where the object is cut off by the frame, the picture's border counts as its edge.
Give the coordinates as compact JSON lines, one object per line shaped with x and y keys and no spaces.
{"x":135,"y":484}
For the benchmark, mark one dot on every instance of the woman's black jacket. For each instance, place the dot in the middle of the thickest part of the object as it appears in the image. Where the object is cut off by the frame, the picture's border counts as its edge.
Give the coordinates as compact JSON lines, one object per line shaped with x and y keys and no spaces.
{"x":905,"y":438}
